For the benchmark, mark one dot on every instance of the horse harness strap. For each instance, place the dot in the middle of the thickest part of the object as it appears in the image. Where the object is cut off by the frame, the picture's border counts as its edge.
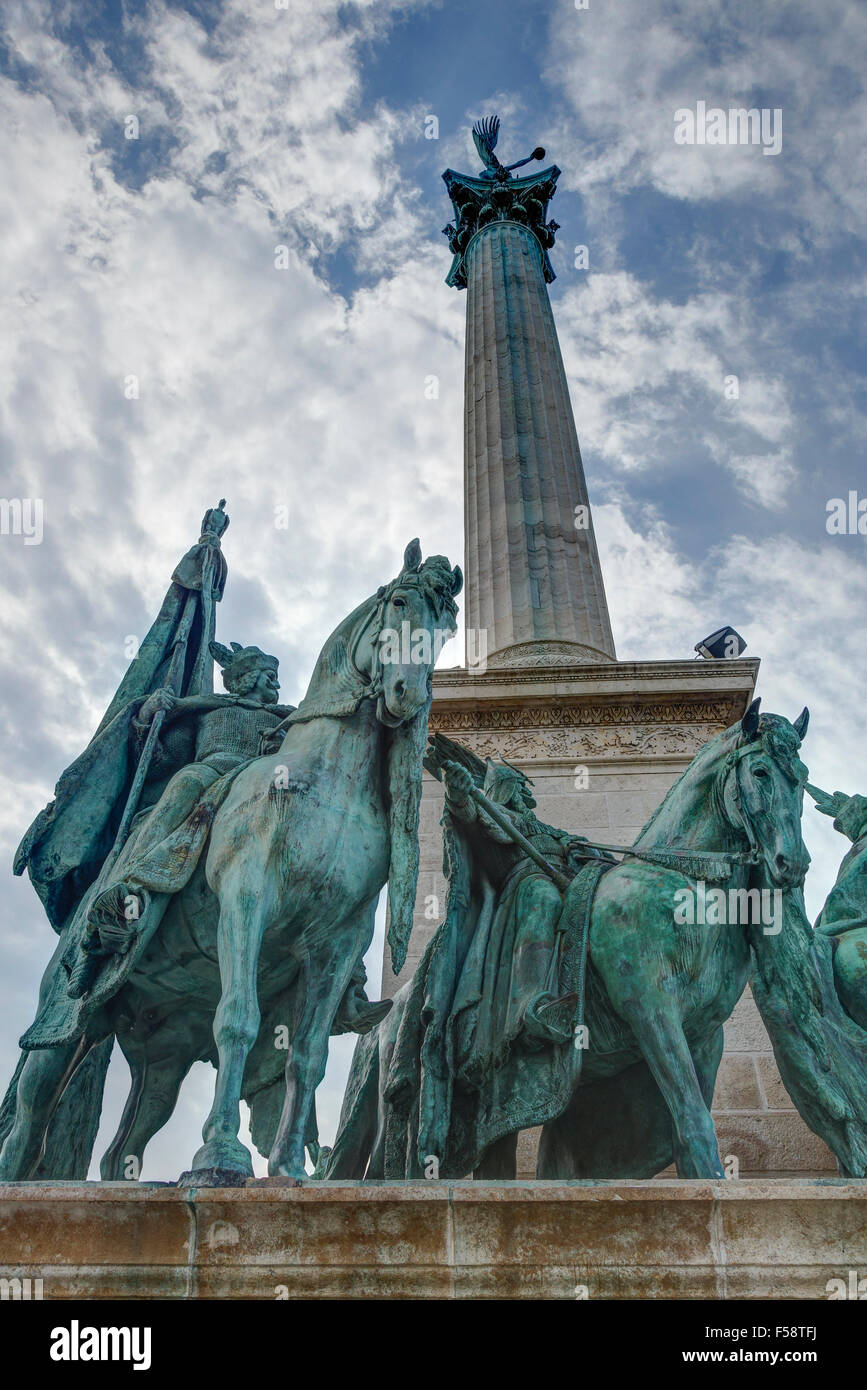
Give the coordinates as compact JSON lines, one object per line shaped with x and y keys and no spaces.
{"x":573,"y":939}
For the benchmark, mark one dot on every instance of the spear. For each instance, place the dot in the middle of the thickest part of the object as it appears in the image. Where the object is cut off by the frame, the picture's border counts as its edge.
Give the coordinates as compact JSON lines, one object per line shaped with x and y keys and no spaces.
{"x":707,"y":864}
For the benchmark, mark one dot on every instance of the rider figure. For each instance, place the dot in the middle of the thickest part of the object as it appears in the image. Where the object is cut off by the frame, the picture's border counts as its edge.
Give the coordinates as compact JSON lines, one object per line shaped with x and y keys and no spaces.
{"x":536,"y":1012}
{"x":222,"y":732}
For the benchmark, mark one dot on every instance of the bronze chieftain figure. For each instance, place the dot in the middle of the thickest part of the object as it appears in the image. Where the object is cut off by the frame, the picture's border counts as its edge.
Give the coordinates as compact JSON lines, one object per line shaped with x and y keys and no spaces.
{"x":119,"y":857}
{"x":543,"y":940}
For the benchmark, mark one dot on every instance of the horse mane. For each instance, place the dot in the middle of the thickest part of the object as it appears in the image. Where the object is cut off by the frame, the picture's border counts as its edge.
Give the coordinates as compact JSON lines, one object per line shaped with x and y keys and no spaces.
{"x":778,"y":736}
{"x":336,"y":686}
{"x":707,"y":757}
{"x":405,"y":753}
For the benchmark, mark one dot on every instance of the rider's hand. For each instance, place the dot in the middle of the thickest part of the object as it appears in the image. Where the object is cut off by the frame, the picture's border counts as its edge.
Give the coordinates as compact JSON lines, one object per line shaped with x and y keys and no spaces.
{"x":458,"y":782}
{"x":829,"y":803}
{"x":116,"y":936}
{"x":160,"y":700}
{"x":271,"y":740}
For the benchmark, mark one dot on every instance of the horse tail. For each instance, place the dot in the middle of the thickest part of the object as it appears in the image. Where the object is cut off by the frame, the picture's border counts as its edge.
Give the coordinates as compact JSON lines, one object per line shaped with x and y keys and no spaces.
{"x":359,"y":1114}
{"x":72,"y":1129}
{"x":7,"y":1108}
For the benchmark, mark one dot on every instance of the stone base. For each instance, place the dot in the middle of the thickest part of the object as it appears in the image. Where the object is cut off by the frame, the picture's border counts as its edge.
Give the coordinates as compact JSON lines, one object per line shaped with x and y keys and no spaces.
{"x":602,"y":1240}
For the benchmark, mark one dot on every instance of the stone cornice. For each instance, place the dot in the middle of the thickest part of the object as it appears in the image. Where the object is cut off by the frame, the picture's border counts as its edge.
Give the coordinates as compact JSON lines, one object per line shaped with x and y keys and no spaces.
{"x":592,"y":679}
{"x":546,"y":653}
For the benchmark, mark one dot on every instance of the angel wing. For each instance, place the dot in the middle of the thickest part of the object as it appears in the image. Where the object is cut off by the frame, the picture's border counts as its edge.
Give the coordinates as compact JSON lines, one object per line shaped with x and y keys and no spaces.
{"x":443,"y":750}
{"x":485,"y":135}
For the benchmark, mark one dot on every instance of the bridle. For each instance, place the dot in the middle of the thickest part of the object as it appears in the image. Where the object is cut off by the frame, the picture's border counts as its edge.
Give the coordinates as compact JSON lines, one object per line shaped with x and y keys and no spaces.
{"x":742,"y":822}
{"x":373,"y":681}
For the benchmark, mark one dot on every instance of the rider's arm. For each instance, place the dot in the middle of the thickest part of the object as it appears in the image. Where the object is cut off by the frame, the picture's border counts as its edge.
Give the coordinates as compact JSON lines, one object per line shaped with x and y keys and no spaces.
{"x":457,"y":782}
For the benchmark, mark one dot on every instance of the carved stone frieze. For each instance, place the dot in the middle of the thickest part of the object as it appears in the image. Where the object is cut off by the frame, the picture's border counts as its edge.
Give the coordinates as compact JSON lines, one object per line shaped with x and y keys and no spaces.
{"x":676,"y":740}
{"x":715,"y":714}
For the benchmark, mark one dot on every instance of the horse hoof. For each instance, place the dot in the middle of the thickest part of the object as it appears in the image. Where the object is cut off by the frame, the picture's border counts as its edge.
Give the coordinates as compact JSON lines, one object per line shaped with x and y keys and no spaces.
{"x":289,"y":1170}
{"x":224,"y":1156}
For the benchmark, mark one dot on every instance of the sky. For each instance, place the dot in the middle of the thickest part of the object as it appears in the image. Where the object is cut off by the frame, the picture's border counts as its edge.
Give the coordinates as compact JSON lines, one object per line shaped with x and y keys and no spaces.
{"x":158,"y":353}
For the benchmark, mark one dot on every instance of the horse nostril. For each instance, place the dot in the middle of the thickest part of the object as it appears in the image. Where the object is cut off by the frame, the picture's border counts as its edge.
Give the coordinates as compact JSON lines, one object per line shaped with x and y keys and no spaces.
{"x":400,"y":689}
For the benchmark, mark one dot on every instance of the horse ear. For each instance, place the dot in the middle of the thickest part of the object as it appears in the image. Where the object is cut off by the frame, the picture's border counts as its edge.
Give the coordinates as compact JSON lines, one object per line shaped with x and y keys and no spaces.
{"x":412,"y":557}
{"x":800,"y":724}
{"x":457,"y":580}
{"x":750,"y":721}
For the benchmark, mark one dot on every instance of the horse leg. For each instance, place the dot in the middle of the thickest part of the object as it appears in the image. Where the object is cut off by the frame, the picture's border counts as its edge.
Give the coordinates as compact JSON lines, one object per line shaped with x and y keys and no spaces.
{"x":667,"y":1053}
{"x":321,"y":986}
{"x":150,"y":1104}
{"x":113,"y":1161}
{"x":499,"y":1162}
{"x":236,"y":1027}
{"x":43,"y":1079}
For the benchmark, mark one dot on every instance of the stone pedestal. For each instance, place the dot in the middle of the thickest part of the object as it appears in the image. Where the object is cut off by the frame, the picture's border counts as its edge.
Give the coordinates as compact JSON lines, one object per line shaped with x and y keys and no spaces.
{"x":659,"y":1240}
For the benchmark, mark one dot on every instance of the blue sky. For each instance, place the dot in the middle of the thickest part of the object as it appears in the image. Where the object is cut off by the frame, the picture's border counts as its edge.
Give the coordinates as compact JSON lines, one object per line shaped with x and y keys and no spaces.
{"x":304,"y":127}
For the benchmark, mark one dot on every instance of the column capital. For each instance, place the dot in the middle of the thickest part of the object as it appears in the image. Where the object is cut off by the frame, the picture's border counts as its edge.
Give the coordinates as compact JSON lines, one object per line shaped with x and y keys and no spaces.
{"x":481,"y":202}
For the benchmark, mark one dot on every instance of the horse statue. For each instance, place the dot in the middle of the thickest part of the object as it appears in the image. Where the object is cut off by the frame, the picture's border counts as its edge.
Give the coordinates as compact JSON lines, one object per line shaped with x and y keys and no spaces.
{"x":652,"y":991}
{"x":265,"y":901}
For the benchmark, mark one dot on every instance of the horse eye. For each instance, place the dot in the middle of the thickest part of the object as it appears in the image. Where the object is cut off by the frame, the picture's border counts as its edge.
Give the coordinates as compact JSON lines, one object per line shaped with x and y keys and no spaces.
{"x":760,"y":772}
{"x":398,"y":603}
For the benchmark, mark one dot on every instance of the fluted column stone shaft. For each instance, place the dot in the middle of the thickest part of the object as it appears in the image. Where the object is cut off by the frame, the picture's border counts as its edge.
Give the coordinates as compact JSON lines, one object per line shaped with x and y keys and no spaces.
{"x":532,"y":575}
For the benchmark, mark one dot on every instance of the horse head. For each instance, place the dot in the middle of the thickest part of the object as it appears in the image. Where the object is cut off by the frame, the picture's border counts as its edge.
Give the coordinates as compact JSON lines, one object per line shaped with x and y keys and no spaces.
{"x":415,"y":617}
{"x":385,"y":652}
{"x":763,"y":792}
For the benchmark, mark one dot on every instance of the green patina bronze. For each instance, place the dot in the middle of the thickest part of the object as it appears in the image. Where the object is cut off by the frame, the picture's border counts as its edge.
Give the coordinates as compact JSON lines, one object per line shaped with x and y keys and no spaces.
{"x":479,"y":1044}
{"x":212,"y":865}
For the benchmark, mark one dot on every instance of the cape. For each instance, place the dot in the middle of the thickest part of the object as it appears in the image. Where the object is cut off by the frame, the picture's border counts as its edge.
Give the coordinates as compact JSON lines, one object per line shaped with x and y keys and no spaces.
{"x":68,"y":842}
{"x":165,"y":870}
{"x":457,"y":1081}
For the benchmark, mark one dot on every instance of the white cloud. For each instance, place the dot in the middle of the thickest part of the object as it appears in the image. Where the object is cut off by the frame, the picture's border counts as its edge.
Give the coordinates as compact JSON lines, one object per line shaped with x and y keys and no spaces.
{"x":627,"y":68}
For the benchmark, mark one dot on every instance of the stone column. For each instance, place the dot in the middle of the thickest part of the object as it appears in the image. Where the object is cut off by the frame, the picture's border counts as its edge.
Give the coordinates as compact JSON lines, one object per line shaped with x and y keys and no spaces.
{"x":533,"y":580}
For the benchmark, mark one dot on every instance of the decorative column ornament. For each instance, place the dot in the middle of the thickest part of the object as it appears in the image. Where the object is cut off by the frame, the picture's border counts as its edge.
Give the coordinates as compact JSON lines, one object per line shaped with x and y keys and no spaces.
{"x":534,"y":582}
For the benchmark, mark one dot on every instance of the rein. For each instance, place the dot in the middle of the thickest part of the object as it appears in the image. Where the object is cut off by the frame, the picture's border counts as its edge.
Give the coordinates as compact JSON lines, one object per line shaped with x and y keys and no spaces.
{"x":714,"y":866}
